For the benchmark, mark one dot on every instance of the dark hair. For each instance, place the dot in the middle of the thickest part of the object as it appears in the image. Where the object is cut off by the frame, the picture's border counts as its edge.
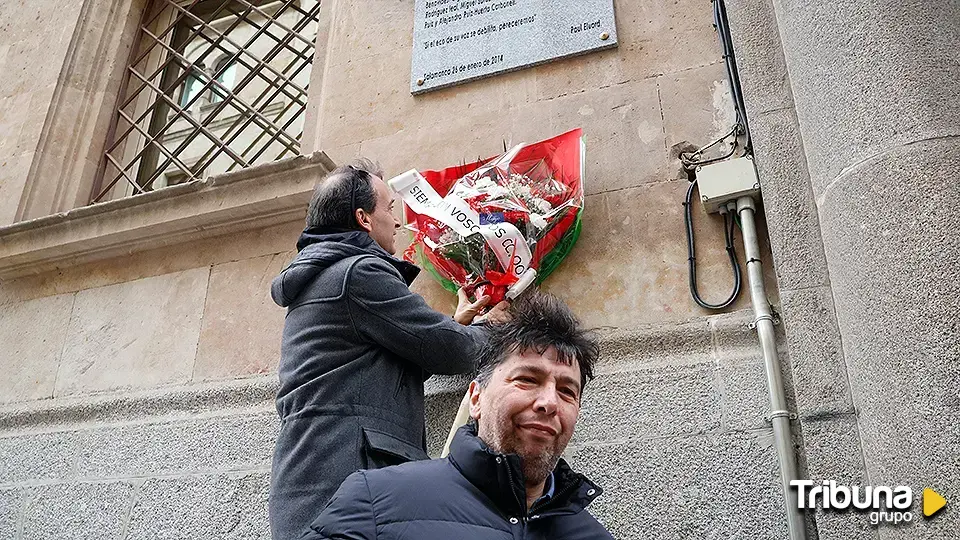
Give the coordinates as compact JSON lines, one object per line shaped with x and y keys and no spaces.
{"x":344,"y":189}
{"x":540,"y":321}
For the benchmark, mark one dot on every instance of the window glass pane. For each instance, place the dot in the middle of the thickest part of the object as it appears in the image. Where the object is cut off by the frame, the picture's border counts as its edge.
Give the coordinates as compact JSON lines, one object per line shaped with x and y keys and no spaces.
{"x":192,"y":85}
{"x":227,"y":79}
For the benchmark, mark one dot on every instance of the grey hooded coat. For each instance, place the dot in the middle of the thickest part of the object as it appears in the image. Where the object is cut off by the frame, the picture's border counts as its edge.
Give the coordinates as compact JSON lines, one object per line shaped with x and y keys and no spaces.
{"x":357,"y":347}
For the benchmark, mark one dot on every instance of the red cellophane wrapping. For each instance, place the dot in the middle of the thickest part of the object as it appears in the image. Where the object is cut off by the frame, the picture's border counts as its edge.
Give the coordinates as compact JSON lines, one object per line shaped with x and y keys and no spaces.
{"x":537,"y":188}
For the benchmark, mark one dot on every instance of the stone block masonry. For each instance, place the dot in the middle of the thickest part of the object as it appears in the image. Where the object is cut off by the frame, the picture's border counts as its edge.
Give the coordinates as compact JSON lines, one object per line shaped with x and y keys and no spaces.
{"x":194,"y":461}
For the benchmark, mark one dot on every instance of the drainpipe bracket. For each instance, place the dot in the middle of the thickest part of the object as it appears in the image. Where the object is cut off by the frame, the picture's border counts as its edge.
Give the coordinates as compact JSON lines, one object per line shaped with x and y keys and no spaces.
{"x":772,"y":317}
{"x":780,"y":414}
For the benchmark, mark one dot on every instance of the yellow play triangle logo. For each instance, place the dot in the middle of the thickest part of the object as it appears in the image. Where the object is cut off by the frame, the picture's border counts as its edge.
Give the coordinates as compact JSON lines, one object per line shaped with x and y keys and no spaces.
{"x":932,"y":502}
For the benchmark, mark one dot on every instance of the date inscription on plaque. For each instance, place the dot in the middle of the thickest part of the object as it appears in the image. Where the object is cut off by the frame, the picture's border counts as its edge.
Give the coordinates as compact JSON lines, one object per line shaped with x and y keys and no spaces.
{"x":456,"y":41}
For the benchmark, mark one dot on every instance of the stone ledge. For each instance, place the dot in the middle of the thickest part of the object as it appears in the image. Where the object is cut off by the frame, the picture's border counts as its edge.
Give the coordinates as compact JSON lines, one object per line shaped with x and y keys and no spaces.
{"x":235,"y":394}
{"x":650,"y":350}
{"x":250,"y":198}
{"x":724,"y":338}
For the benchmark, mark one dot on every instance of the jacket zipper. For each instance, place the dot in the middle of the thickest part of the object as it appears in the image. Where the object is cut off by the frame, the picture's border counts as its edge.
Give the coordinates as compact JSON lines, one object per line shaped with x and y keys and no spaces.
{"x":524,"y":517}
{"x":562,"y":493}
{"x":523,"y":507}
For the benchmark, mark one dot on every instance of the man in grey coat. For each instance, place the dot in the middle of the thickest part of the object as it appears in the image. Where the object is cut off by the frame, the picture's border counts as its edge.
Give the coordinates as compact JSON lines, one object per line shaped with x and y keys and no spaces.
{"x":357,"y":347}
{"x":504,"y":477}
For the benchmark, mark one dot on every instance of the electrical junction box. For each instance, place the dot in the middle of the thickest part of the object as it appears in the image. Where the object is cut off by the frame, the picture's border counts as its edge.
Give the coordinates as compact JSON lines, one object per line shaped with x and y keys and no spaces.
{"x":726,"y":181}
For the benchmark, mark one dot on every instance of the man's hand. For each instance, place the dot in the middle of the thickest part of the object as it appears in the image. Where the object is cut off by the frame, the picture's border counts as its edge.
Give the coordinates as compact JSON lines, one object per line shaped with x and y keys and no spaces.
{"x":498,"y":314}
{"x":466,"y":310}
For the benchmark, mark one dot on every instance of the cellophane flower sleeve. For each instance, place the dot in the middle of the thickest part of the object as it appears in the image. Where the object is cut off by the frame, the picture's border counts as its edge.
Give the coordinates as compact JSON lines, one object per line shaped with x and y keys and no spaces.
{"x":500,"y":224}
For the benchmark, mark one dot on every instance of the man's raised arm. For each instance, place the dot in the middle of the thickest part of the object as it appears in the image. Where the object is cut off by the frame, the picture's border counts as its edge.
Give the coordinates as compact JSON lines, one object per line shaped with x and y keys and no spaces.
{"x":384,"y":309}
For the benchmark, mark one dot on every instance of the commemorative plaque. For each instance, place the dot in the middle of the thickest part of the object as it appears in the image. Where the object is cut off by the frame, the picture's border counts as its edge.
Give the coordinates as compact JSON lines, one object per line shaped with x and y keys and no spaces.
{"x":456,"y":41}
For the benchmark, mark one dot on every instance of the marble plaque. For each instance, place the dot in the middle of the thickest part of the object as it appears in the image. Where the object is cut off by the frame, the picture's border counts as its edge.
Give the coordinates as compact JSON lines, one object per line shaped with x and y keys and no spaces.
{"x":455,"y":41}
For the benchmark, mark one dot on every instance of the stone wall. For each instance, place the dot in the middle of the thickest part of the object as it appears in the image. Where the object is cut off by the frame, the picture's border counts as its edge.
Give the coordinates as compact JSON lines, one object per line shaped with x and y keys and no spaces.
{"x":672,"y":427}
{"x":664,"y":86}
{"x":63,"y":63}
{"x":880,"y":84}
{"x":824,"y":404}
{"x":28,"y":85}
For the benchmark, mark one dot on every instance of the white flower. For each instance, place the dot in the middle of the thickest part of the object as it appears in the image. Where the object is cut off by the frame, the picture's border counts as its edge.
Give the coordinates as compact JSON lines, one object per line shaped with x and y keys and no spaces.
{"x":484,"y":183}
{"x":497,"y":192}
{"x":449,"y":236}
{"x":540,"y":205}
{"x":463,"y":191}
{"x":538,"y":221}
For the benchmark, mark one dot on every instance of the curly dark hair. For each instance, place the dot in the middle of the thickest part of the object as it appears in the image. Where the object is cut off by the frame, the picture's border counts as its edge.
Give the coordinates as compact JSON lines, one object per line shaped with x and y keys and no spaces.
{"x":540,"y":321}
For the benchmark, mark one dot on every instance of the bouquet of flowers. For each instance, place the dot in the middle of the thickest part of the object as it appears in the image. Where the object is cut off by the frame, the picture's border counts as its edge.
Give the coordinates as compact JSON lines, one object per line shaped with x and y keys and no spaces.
{"x":500,"y":224}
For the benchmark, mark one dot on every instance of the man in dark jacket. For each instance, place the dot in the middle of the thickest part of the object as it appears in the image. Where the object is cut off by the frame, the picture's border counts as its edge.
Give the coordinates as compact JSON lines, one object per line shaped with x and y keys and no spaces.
{"x":504,"y":478}
{"x":357,"y":347}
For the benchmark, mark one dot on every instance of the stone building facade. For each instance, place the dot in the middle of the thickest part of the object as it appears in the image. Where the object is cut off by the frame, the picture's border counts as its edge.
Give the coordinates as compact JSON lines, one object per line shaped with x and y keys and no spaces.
{"x":138,"y":343}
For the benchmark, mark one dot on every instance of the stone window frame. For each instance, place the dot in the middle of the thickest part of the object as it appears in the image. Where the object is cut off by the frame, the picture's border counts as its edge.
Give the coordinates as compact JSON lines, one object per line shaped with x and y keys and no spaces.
{"x":194,"y":78}
{"x":55,"y":226}
{"x":277,"y":53}
{"x":215,"y":96}
{"x":212,"y":93}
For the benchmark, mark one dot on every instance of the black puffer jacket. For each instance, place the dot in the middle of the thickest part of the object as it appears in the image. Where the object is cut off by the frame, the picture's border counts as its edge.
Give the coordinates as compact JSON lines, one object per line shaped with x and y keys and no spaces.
{"x":474,"y":493}
{"x":357,"y":346}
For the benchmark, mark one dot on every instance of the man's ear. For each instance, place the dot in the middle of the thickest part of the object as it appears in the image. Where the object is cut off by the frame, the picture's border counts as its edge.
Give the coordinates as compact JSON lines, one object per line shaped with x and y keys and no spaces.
{"x":363,"y":219}
{"x":474,"y":400}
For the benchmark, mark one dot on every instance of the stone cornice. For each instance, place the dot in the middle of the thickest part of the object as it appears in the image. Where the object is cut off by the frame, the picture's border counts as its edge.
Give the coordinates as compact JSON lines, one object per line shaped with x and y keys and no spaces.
{"x":722,"y":339}
{"x":255,"y":197}
{"x":251,"y":393}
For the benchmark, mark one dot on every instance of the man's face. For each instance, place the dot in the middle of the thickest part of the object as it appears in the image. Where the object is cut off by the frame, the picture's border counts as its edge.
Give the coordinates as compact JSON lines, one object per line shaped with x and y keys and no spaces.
{"x":381,"y":223}
{"x":529,"y":407}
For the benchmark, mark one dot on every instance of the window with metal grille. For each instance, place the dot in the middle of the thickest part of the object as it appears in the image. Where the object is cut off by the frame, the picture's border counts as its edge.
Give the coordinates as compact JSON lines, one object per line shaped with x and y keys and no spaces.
{"x":211,"y":86}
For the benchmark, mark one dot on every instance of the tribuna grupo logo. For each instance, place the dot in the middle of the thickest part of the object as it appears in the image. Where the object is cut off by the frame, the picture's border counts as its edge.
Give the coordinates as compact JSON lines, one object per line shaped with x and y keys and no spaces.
{"x":885,"y":504}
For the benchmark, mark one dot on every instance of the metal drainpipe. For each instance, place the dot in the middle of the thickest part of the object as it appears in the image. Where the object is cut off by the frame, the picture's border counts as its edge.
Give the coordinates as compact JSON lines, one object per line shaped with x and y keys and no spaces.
{"x":780,"y":416}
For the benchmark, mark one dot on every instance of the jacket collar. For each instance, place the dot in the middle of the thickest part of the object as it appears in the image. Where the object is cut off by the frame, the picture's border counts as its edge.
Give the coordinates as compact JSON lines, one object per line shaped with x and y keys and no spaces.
{"x":316,"y":240}
{"x":500,"y":477}
{"x":321,"y":248}
{"x":313,"y":235}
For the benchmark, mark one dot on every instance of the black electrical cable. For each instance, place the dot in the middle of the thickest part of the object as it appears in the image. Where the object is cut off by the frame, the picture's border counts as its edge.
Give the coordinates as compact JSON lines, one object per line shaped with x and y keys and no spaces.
{"x":729,"y":225}
{"x":730,"y":61}
{"x":730,"y":221}
{"x":692,"y":160}
{"x":733,"y":149}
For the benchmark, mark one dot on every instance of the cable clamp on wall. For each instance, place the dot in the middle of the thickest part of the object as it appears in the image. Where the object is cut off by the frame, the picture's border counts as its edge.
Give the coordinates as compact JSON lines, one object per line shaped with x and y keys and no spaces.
{"x":773,"y":318}
{"x":781,"y":414}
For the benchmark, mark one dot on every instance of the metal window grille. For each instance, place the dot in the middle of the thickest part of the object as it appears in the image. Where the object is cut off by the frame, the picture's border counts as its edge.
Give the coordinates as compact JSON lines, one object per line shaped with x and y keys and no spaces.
{"x":211,"y":86}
